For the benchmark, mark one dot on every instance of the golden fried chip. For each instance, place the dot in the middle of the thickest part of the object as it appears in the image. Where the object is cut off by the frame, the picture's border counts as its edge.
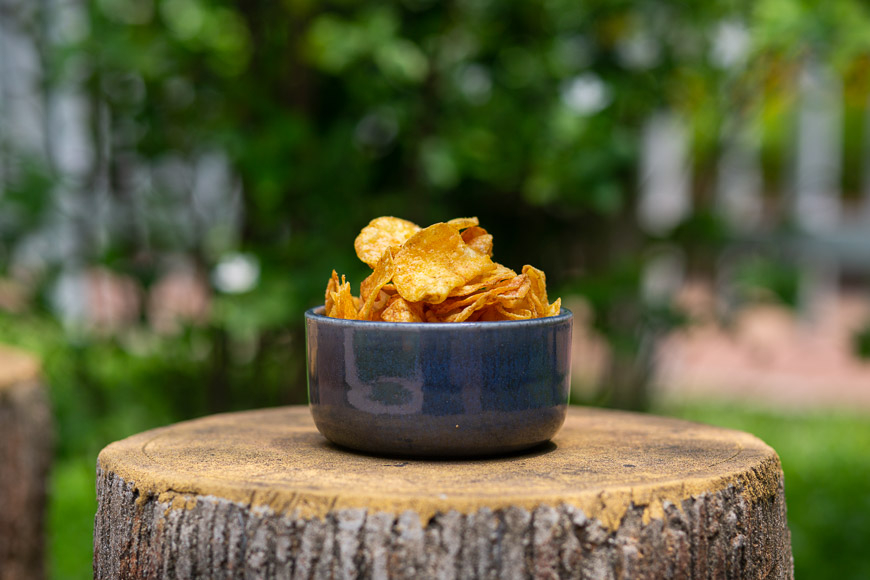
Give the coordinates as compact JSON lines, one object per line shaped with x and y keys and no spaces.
{"x":383,"y":297}
{"x":510,"y":293}
{"x":555,"y":307}
{"x":478,"y":239}
{"x":492,"y":289}
{"x":380,"y":235}
{"x":331,"y":286}
{"x":471,"y":304}
{"x":443,"y":273}
{"x":467,"y":312}
{"x":518,"y":314}
{"x":496,"y":312}
{"x":400,"y":310}
{"x":381,"y":303}
{"x":518,"y":296}
{"x":475,"y":317}
{"x":538,"y":293}
{"x":462,"y":223}
{"x":490,"y":313}
{"x":431,"y":316}
{"x":379,"y":278}
{"x":366,"y":286}
{"x":372,"y":283}
{"x":344,"y":304}
{"x":485,"y":280}
{"x":433,"y":262}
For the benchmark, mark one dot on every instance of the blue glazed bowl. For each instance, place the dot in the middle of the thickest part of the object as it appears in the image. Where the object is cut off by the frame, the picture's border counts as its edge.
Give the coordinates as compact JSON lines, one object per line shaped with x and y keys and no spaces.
{"x":430,"y":389}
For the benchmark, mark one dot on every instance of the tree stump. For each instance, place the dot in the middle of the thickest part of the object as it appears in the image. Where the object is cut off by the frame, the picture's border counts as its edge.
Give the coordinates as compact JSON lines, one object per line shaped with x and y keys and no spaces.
{"x":262,"y":494}
{"x":25,"y":458}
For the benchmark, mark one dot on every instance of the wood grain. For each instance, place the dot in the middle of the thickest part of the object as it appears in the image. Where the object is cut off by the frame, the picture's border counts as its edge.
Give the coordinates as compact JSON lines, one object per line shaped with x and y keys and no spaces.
{"x":614,"y":495}
{"x":25,"y":458}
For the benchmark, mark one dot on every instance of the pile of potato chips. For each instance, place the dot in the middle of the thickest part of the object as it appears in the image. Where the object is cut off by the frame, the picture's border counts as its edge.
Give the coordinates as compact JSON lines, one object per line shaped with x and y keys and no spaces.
{"x":443,"y":273}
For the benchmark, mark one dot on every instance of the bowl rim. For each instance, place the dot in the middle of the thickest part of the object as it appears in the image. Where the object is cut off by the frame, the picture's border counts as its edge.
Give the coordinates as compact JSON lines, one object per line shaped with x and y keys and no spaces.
{"x":316,"y":314}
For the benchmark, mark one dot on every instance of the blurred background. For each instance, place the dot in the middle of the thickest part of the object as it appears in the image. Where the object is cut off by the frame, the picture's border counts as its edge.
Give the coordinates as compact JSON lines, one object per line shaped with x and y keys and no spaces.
{"x":178,"y":178}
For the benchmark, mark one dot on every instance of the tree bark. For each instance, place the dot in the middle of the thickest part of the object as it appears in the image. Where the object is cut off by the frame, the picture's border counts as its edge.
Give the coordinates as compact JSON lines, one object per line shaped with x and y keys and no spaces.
{"x":587,"y":506}
{"x":25,"y":458}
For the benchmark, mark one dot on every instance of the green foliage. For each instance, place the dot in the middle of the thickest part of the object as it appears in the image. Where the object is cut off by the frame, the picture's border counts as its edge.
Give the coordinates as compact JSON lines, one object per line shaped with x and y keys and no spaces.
{"x":760,"y":277}
{"x":333,"y":113}
{"x":528,"y":115}
{"x":104,"y":389}
{"x":24,"y":202}
{"x":826,"y":466}
{"x":70,"y":522}
{"x":861,"y":342}
{"x":832,"y":29}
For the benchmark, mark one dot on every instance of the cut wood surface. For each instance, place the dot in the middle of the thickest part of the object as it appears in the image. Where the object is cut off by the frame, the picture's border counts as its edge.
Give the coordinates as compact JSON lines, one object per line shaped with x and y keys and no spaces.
{"x":25,"y":458}
{"x":615,"y":495}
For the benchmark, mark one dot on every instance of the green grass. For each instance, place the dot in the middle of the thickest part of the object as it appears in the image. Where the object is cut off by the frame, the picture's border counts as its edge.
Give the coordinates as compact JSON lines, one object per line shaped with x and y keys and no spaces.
{"x":71,"y":512}
{"x":826,"y":461}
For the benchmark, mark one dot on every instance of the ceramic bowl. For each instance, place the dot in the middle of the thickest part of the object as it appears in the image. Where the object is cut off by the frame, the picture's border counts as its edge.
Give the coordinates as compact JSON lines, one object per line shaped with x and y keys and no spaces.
{"x":438,"y":389}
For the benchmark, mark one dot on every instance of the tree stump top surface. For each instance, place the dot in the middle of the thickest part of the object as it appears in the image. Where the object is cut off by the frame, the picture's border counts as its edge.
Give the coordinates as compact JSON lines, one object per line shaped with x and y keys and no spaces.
{"x":16,"y":367}
{"x":601,"y":461}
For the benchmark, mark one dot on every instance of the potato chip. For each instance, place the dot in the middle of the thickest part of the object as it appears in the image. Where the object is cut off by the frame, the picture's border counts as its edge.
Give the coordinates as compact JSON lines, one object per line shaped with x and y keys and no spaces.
{"x":513,"y":304}
{"x":486,"y":315}
{"x":344,"y":304}
{"x":538,"y":293}
{"x":433,"y":262}
{"x":380,"y":304}
{"x":478,"y":239}
{"x":475,"y":317}
{"x":475,"y":302}
{"x":443,"y":273}
{"x":496,"y":312}
{"x":372,"y":283}
{"x":381,"y":301}
{"x":490,"y":313}
{"x":518,"y":314}
{"x":431,"y":316}
{"x":400,"y":310}
{"x":383,"y":273}
{"x":491,"y":290}
{"x":380,"y":235}
{"x":518,"y":296}
{"x":483,"y":281}
{"x":331,"y":286}
{"x":366,"y":286}
{"x":462,"y":223}
{"x":555,"y":307}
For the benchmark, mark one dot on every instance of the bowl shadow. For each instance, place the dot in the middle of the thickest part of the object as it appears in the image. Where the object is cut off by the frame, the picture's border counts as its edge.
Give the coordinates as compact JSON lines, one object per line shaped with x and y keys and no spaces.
{"x":535,"y":451}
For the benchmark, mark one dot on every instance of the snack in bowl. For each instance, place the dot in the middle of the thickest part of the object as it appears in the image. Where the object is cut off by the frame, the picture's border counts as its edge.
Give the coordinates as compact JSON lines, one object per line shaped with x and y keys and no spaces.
{"x":442,"y":273}
{"x":383,"y":379}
